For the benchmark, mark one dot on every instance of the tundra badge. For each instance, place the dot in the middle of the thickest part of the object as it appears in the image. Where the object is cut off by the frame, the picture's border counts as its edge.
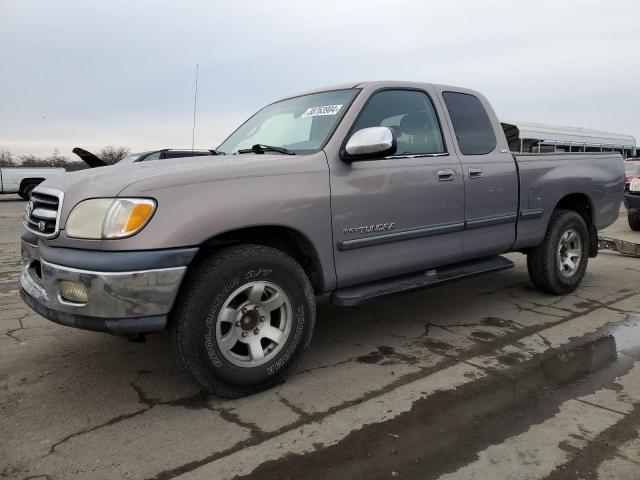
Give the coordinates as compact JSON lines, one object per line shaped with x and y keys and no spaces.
{"x":380,"y":227}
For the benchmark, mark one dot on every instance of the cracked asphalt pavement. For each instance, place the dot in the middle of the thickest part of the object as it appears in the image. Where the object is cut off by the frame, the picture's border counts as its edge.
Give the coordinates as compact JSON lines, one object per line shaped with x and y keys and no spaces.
{"x":485,"y":378}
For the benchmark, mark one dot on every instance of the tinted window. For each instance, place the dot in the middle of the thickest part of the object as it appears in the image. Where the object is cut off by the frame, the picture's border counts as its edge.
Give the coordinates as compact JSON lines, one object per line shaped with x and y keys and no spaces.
{"x":471,"y":123}
{"x":184,"y":154}
{"x":410,"y":115}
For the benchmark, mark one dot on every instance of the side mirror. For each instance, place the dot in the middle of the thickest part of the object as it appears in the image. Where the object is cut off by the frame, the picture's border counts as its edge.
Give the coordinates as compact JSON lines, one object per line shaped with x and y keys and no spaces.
{"x":370,"y":143}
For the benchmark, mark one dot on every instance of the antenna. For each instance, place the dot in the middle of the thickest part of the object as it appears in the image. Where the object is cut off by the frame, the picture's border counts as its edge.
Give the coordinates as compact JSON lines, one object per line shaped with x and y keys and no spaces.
{"x":195,"y":103}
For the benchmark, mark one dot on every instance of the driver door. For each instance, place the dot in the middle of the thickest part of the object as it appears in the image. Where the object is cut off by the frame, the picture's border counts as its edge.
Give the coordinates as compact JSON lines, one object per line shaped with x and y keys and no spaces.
{"x":404,"y":212}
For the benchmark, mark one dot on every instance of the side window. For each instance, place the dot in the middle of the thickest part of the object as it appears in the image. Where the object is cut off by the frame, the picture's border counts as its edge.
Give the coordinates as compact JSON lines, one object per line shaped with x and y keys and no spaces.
{"x":471,"y":123}
{"x":410,"y":114}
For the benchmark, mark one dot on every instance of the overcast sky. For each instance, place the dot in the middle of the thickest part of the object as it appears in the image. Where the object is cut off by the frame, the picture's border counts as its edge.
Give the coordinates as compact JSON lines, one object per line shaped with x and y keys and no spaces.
{"x":121,"y":72}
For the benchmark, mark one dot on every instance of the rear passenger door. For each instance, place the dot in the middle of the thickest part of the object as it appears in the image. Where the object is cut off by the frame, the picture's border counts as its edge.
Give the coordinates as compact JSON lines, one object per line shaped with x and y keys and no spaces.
{"x":490,"y":174}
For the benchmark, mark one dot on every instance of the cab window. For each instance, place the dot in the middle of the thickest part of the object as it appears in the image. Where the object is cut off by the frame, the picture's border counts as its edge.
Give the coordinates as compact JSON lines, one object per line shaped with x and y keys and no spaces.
{"x":412,"y":117}
{"x":471,"y":123}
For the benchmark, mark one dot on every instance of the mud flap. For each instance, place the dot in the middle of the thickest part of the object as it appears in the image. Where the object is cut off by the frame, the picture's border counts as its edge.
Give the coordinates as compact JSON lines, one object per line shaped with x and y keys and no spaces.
{"x":593,"y":242}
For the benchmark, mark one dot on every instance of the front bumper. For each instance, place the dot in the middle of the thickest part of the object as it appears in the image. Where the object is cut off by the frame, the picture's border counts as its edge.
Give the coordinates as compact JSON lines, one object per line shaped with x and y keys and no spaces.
{"x":632,"y":202}
{"x":122,"y":301}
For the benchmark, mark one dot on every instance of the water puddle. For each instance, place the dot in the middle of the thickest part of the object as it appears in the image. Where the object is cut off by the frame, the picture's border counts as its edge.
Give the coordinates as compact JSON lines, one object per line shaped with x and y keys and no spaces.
{"x":627,"y":336}
{"x":446,"y":430}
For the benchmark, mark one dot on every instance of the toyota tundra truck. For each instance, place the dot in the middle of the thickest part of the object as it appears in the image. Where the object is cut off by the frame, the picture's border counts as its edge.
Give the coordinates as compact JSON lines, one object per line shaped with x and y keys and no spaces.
{"x":343,"y":194}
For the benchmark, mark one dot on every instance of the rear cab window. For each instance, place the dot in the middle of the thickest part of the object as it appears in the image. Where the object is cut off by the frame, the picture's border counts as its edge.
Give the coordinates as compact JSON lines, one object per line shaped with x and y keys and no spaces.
{"x":471,"y":124}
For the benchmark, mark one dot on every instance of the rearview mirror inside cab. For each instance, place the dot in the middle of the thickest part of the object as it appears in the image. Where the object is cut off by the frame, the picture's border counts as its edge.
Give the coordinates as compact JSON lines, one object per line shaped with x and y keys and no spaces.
{"x":372,"y":142}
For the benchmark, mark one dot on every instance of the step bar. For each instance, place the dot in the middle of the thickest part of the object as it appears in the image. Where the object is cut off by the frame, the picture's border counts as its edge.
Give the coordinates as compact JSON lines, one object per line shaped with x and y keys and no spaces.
{"x":358,"y":294}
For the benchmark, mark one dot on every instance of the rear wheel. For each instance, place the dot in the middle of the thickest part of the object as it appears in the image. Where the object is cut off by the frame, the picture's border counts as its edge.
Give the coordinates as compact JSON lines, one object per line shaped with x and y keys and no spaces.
{"x":559,"y":263}
{"x":244,"y":317}
{"x":634,"y":221}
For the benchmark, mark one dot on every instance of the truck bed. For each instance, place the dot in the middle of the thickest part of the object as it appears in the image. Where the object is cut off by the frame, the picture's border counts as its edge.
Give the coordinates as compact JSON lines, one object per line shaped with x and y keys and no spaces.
{"x":546,"y":178}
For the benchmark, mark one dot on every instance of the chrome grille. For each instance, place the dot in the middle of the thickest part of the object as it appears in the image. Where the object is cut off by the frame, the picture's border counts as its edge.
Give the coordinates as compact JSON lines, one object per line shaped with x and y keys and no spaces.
{"x":43,"y":212}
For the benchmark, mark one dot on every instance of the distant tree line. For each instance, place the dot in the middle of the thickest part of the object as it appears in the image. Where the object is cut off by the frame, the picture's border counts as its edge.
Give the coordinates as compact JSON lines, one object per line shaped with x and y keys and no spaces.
{"x":109,"y":154}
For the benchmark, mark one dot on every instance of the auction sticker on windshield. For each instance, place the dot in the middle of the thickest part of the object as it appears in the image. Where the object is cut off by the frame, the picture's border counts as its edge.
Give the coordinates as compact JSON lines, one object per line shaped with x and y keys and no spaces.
{"x":322,"y":110}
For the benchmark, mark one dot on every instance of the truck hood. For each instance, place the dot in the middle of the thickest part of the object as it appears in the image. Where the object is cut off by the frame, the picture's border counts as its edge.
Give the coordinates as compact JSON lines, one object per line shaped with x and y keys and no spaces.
{"x":143,"y":178}
{"x":89,"y":158}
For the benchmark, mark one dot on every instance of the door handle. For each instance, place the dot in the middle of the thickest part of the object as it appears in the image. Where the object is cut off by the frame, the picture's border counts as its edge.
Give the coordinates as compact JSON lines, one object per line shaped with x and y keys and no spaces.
{"x":446,"y":175}
{"x":475,"y":172}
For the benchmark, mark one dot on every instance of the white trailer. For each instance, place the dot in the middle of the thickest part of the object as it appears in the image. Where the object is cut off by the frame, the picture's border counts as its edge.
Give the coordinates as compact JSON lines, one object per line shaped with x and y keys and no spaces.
{"x":539,"y":138}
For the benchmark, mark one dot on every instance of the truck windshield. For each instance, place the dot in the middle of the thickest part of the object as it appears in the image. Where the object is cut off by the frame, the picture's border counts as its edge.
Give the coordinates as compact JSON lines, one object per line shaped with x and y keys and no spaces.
{"x":130,"y":159}
{"x":302,"y":124}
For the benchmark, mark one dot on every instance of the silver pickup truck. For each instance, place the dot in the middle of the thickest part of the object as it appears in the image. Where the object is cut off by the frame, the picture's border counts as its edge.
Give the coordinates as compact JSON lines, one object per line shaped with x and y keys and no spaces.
{"x":23,"y":180}
{"x":347,"y":193}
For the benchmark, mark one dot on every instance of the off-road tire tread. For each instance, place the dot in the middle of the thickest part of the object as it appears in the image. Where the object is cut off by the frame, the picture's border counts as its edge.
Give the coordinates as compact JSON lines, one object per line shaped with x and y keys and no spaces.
{"x":538,"y":258}
{"x":197,"y":280}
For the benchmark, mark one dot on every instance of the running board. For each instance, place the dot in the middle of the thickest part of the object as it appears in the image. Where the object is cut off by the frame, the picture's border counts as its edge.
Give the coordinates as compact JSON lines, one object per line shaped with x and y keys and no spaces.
{"x":355,"y":295}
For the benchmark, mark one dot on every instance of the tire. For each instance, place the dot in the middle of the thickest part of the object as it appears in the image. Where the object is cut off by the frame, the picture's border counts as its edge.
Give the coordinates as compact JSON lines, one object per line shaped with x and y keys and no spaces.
{"x":634,"y":221}
{"x":27,"y":191}
{"x":567,"y":233}
{"x":208,"y":321}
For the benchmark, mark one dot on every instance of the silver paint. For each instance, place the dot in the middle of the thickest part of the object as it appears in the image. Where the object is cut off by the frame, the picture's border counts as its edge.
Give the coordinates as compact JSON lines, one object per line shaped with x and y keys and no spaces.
{"x":370,"y":140}
{"x":319,"y":196}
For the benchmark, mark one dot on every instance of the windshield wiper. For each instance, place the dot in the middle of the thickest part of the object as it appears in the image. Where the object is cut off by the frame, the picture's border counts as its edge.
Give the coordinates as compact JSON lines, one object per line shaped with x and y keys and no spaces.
{"x":260,"y":148}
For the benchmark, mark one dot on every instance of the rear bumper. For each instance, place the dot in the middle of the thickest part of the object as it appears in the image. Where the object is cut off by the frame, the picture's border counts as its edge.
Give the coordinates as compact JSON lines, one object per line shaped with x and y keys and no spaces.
{"x":132,"y":301}
{"x":632,"y":202}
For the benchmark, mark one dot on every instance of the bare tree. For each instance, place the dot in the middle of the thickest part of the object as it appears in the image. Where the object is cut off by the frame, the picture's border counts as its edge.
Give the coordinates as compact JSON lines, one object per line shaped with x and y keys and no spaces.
{"x":113,"y":155}
{"x":109,"y":154}
{"x":55,"y":160}
{"x":30,"y":160}
{"x":6,"y":159}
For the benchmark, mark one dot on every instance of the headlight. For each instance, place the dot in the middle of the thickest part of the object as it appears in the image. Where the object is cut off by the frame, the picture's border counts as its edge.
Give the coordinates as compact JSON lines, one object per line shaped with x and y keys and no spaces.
{"x":634,"y":186}
{"x":105,"y":218}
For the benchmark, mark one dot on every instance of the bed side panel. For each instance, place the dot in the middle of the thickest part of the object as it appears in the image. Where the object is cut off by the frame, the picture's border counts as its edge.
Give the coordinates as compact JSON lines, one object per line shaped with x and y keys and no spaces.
{"x":546,"y":178}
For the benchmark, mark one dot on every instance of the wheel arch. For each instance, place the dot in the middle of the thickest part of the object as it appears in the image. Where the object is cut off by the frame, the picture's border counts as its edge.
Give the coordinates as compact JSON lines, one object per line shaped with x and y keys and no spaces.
{"x":582,"y":204}
{"x":29,"y":181}
{"x":287,"y":239}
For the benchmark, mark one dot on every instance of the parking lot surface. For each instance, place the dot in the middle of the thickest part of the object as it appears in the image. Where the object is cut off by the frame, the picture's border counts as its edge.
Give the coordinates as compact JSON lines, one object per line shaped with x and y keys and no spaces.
{"x":486,"y":378}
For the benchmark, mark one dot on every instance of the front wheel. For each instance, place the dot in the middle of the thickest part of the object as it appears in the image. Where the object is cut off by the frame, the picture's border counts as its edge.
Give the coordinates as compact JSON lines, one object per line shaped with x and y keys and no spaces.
{"x":559,"y":263}
{"x":634,"y":221}
{"x":244,"y":317}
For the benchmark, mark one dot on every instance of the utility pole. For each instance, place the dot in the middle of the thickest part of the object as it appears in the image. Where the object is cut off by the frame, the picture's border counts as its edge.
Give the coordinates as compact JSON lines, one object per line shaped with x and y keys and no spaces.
{"x":195,"y":103}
